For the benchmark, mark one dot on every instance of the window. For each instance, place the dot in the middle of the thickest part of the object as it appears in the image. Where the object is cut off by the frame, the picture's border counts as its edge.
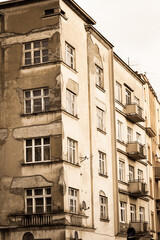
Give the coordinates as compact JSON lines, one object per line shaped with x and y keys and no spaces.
{"x":71,"y":145}
{"x":36,"y":100}
{"x":71,"y":102}
{"x":100,"y":119}
{"x":131,"y":173}
{"x":49,"y":11}
{"x":102,"y":160}
{"x":132,"y":213}
{"x":120,"y":131}
{"x":152,"y":221}
{"x":136,"y":100}
{"x":138,"y":137}
{"x":38,"y":200}
{"x":129,"y":134}
{"x":119,"y":92}
{"x":149,"y":154}
{"x":150,"y":187}
{"x":99,"y":80}
{"x":140,"y":174}
{"x":69,"y":55}
{"x":128,"y":97}
{"x":141,"y":214}
{"x":103,"y":207}
{"x":73,"y":200}
{"x":122,"y":212}
{"x":37,"y":150}
{"x":36,"y":52}
{"x":121,"y":171}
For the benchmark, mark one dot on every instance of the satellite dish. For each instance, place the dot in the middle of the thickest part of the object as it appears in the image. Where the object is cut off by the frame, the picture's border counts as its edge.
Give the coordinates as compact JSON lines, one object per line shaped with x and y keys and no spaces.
{"x":76,"y":235}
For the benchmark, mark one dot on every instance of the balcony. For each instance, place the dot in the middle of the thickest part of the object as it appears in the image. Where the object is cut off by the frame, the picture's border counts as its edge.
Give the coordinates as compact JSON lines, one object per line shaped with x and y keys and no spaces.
{"x":137,"y":188}
{"x":157,"y":173}
{"x":135,"y":150}
{"x":150,"y":132}
{"x":140,"y":227}
{"x":134,"y":113}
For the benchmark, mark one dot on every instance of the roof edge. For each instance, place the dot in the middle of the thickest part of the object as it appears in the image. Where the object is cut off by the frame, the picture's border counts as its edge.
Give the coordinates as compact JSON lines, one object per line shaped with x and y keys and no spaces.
{"x":129,"y":68}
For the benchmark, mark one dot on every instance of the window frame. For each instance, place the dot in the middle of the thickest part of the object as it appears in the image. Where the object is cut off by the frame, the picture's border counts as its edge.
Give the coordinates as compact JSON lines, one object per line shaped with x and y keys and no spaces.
{"x":34,"y":196}
{"x":121,"y":170}
{"x":73,"y":150}
{"x":99,"y":76}
{"x":120,"y":131}
{"x":128,"y":97}
{"x":122,"y":212}
{"x":71,"y":102}
{"x":118,"y":92}
{"x":102,"y":163}
{"x":32,"y":99}
{"x":141,"y":214}
{"x":140,"y":174}
{"x":33,"y":149}
{"x":131,"y":173}
{"x":100,"y":118}
{"x":129,"y":134}
{"x":69,"y":55}
{"x":132,"y":213}
{"x":32,"y":50}
{"x":103,"y":200}
{"x":73,"y":198}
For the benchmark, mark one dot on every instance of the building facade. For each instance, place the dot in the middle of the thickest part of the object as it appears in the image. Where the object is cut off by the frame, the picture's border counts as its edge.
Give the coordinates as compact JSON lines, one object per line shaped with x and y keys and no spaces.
{"x":79,"y":130}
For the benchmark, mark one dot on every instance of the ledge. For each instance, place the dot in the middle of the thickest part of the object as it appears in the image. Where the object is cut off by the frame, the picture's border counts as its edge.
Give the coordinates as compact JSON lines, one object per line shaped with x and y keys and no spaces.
{"x":66,"y":65}
{"x":55,"y":14}
{"x":70,"y":115}
{"x":100,"y":88}
{"x":50,"y":162}
{"x":101,"y":131}
{"x":104,"y":219}
{"x":103,"y":175}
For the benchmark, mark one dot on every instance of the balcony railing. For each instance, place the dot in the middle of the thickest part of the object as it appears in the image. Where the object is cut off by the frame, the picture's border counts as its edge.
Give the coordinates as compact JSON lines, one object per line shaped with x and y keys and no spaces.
{"x":37,"y":220}
{"x":135,"y":150}
{"x":137,"y":188}
{"x":157,"y":173}
{"x":140,"y":227}
{"x":134,"y":112}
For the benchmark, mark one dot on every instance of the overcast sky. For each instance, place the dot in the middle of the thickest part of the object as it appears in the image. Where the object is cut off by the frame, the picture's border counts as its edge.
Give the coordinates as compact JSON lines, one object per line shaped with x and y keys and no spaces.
{"x":133,"y":27}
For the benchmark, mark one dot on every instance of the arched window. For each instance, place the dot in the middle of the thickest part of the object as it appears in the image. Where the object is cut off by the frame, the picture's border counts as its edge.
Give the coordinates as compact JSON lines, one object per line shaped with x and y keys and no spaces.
{"x":28,"y":236}
{"x":103,"y":205}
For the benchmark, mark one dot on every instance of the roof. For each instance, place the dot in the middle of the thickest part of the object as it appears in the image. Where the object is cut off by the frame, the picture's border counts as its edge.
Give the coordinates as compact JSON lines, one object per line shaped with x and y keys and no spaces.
{"x":71,"y":3}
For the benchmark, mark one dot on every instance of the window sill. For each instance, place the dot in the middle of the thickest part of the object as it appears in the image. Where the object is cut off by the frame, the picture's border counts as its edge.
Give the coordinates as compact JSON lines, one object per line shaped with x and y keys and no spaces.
{"x":103,"y":175}
{"x":72,"y":164}
{"x":72,"y":69}
{"x":120,"y":103}
{"x":122,"y":182}
{"x":35,"y":163}
{"x":122,"y":142}
{"x":104,"y":219}
{"x":100,"y":88}
{"x":35,"y":65}
{"x":100,"y":130}
{"x":71,"y":115}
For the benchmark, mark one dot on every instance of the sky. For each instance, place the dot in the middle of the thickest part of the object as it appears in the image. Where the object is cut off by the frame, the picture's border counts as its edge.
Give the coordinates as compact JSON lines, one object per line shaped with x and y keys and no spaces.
{"x":133,"y":27}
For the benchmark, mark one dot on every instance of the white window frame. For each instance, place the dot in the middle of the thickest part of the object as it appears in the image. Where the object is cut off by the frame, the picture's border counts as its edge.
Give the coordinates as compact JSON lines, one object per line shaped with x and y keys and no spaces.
{"x":102,"y":163}
{"x":118,"y":92}
{"x":129,"y":134}
{"x":132,"y":213}
{"x":73,"y":200}
{"x":131,"y":173}
{"x":69,"y":55}
{"x":99,"y":76}
{"x":138,"y":137}
{"x":71,"y":151}
{"x":128,"y":97}
{"x":71,"y":102}
{"x":122,"y":212}
{"x":121,"y":170}
{"x":100,"y":119}
{"x":141,"y":214}
{"x":140,"y":174}
{"x":120,"y":130}
{"x":43,"y":58}
{"x":31,"y":99}
{"x":137,"y":101}
{"x":33,"y":147}
{"x":35,"y":196}
{"x":103,"y":207}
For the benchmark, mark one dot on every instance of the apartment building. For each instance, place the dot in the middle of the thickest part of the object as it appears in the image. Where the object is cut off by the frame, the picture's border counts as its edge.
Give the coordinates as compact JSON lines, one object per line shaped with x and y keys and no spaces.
{"x":57,"y":124}
{"x":79,"y":130}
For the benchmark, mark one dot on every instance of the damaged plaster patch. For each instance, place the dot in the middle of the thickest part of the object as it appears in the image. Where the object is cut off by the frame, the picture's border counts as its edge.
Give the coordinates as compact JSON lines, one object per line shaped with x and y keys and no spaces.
{"x":3,"y":134}
{"x":61,"y":180}
{"x":30,"y":182}
{"x":51,"y":129}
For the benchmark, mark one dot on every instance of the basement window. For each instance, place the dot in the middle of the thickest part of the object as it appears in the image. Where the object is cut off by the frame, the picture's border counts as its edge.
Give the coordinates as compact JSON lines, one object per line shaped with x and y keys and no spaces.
{"x":49,"y":11}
